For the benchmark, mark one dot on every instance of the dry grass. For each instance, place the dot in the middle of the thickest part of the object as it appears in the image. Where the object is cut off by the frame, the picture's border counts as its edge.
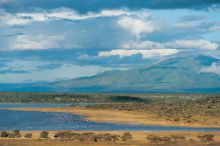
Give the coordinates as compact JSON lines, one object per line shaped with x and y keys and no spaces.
{"x":139,"y":139}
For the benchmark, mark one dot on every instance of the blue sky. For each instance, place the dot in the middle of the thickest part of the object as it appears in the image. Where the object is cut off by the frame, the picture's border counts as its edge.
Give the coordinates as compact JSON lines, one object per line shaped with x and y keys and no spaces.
{"x":49,"y":40}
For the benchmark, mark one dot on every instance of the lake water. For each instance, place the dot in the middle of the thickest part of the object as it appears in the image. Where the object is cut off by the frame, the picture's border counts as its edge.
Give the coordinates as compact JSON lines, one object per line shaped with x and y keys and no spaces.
{"x":26,"y":120}
{"x":18,"y":105}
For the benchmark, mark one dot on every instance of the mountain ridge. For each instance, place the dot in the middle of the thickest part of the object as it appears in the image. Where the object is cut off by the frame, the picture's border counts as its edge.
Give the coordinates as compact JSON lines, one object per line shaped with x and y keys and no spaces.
{"x":175,"y":74}
{"x":165,"y":75}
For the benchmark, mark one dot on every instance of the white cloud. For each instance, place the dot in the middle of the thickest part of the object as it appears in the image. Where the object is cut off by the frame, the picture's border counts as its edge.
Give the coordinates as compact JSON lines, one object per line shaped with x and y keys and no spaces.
{"x":137,"y":25}
{"x":214,"y":68}
{"x":22,"y":18}
{"x":60,"y":14}
{"x":193,"y":44}
{"x":144,"y":53}
{"x":27,"y":42}
{"x":142,"y":45}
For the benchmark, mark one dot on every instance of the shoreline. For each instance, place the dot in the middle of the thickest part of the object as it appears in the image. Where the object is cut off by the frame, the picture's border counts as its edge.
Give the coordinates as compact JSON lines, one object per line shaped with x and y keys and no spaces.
{"x":116,"y":116}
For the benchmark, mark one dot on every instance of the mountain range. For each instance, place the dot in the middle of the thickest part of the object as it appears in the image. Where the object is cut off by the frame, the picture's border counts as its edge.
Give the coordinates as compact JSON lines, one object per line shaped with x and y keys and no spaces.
{"x":181,"y":73}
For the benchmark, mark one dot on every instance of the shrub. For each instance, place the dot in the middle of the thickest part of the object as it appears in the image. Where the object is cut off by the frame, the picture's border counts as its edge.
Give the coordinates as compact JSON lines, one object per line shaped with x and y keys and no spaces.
{"x":66,"y":136}
{"x":17,"y":133}
{"x":178,"y":137}
{"x":88,"y":137}
{"x":28,"y":135}
{"x":154,"y":139}
{"x":11,"y":135}
{"x":4,"y":134}
{"x":126,"y":136}
{"x":44,"y":134}
{"x":158,"y":139}
{"x":206,"y":138}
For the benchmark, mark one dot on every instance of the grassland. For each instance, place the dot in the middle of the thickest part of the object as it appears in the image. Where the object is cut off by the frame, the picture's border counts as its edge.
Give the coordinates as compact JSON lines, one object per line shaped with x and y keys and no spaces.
{"x":29,"y":97}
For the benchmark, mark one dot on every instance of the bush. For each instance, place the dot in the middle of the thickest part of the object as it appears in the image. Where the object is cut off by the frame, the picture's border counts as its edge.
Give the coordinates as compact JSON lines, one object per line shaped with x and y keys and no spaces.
{"x":178,"y":137}
{"x":158,"y":139}
{"x":86,"y":137}
{"x":44,"y":134}
{"x":154,"y":139}
{"x":126,"y":136}
{"x":206,"y":138}
{"x":28,"y":135}
{"x":4,"y":134}
{"x":12,"y":135}
{"x":17,"y":133}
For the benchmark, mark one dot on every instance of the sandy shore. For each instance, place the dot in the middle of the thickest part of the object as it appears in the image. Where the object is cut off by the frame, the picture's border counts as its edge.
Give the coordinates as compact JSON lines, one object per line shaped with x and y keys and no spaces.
{"x":117,"y":116}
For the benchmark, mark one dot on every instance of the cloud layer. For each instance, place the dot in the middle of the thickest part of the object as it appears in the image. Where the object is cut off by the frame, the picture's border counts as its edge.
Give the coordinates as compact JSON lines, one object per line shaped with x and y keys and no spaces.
{"x":69,"y":36}
{"x":214,"y":68}
{"x":144,"y":53}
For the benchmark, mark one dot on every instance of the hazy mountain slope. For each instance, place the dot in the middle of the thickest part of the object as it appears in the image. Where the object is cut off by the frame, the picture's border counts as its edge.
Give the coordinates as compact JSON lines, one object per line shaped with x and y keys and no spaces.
{"x":176,"y":74}
{"x":180,"y":73}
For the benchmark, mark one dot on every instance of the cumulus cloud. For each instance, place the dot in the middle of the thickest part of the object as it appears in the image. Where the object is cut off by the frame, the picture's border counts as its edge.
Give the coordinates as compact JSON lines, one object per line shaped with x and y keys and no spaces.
{"x":178,"y":44}
{"x":137,"y":25}
{"x":214,"y":68}
{"x":144,"y":53}
{"x":27,"y":42}
{"x":22,"y":18}
{"x":193,"y":44}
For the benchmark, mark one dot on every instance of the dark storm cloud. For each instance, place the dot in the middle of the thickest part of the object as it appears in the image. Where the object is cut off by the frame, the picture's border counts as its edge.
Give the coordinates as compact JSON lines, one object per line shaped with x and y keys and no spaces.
{"x":84,"y":6}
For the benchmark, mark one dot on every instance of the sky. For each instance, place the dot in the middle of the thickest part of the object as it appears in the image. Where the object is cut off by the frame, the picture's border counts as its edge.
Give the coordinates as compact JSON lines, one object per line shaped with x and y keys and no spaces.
{"x":51,"y":40}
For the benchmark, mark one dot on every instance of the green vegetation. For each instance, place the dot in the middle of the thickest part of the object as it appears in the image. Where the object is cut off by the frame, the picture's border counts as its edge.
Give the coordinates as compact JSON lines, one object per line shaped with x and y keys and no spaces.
{"x":18,"y":97}
{"x":29,"y":97}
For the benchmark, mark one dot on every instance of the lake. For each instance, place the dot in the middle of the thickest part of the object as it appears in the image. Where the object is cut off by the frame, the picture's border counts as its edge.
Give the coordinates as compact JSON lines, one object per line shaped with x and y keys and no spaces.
{"x":27,"y":120}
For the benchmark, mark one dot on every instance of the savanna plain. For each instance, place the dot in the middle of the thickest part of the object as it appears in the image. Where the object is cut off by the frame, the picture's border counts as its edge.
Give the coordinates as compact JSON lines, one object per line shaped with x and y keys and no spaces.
{"x":181,"y":110}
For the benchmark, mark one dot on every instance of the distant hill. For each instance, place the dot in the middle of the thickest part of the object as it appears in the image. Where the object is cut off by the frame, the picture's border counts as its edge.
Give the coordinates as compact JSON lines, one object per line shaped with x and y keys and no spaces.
{"x":175,"y":74}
